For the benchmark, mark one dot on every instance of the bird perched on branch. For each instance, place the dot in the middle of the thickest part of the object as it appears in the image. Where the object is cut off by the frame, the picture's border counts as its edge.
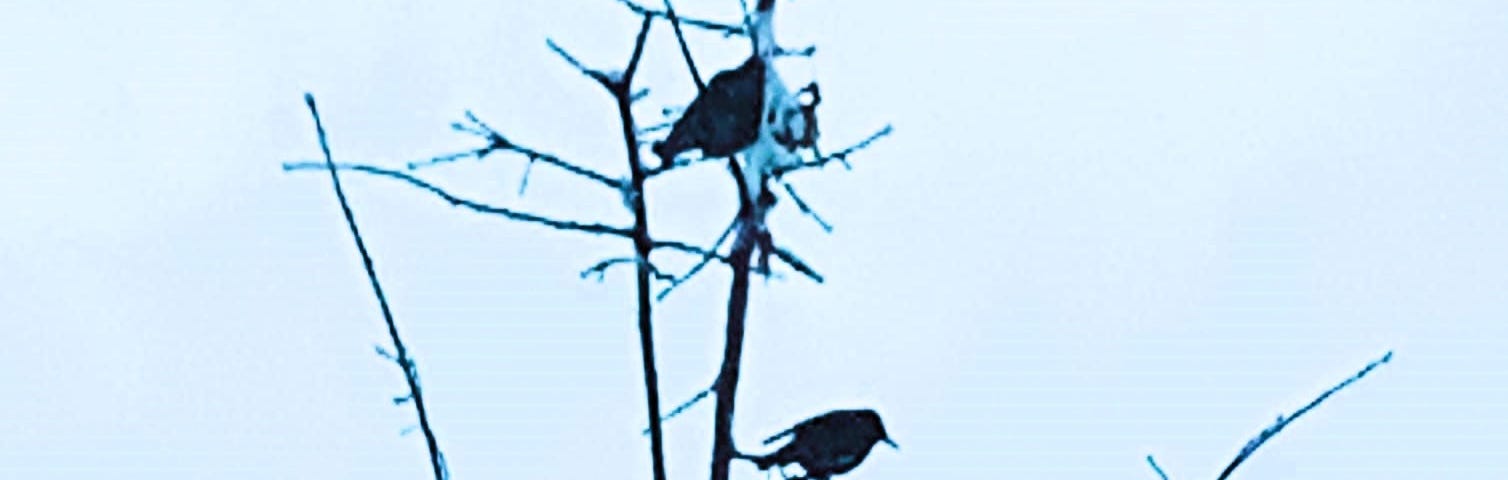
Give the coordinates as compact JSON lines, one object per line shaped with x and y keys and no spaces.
{"x":748,"y":110}
{"x":829,"y":444}
{"x":723,"y":119}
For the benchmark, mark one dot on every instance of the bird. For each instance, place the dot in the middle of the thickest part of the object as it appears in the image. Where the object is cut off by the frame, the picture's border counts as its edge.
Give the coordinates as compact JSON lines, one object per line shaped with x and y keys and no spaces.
{"x":747,"y":111}
{"x":830,"y":444}
{"x":724,"y":119}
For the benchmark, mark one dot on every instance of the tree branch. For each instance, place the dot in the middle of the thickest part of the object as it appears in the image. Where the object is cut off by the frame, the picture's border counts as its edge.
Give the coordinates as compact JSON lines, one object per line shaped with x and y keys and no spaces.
{"x":497,"y":142}
{"x":600,"y":269}
{"x":621,"y":88}
{"x":1153,"y":462}
{"x":1282,"y":422}
{"x":675,"y":24}
{"x":726,"y":29}
{"x":840,"y":156}
{"x":807,"y":209}
{"x":711,"y":253}
{"x":596,"y":75}
{"x":595,"y":228}
{"x":410,"y":370}
{"x":687,"y":404}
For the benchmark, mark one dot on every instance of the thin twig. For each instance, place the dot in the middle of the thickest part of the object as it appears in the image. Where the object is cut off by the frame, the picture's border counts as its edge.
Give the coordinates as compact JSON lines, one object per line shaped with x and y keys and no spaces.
{"x":593,"y":228}
{"x":656,"y":127}
{"x":497,"y":142}
{"x":726,"y":29}
{"x":807,"y":209}
{"x":679,"y":409}
{"x":596,"y":75}
{"x":711,"y":253}
{"x":838,"y":156}
{"x":410,"y":370}
{"x":797,"y":263}
{"x":633,"y":66}
{"x":511,"y":214}
{"x":1282,"y":422}
{"x":675,"y":24}
{"x":600,"y":269}
{"x":1153,"y":462}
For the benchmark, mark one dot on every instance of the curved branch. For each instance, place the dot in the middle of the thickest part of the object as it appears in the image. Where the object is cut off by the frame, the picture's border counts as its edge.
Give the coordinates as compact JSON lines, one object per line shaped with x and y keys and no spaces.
{"x":1282,"y":422}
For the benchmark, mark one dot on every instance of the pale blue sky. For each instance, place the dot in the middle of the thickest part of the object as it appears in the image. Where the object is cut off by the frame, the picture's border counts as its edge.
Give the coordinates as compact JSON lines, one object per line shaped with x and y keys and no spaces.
{"x":1103,"y":229}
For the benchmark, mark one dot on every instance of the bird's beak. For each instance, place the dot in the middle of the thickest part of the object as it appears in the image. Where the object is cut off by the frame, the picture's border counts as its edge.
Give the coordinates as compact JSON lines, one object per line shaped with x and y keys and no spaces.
{"x":891,"y":442}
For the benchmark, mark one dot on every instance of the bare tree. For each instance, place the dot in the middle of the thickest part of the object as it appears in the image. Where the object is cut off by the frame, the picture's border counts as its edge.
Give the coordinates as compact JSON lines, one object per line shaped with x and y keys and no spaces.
{"x":747,"y":227}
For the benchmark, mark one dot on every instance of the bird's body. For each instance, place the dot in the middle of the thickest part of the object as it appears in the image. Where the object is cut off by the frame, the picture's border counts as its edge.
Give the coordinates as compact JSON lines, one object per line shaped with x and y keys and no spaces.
{"x":830,"y":444}
{"x":724,"y":119}
{"x":747,"y":111}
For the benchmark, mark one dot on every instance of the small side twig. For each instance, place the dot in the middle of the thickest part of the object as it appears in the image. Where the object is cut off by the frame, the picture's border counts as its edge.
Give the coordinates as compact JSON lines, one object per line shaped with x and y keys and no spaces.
{"x":600,"y":269}
{"x":686,"y":405}
{"x":401,"y":357}
{"x":511,"y":214}
{"x":1153,"y":462}
{"x":675,"y":24}
{"x":596,"y":75}
{"x":593,"y":228}
{"x":807,"y":209}
{"x":711,"y":253}
{"x":726,"y":29}
{"x":498,"y":143}
{"x":838,"y":156}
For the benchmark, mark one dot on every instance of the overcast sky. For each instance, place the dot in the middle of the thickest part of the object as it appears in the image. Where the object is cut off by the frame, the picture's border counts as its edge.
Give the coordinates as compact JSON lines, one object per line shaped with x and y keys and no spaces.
{"x":1102,"y":229}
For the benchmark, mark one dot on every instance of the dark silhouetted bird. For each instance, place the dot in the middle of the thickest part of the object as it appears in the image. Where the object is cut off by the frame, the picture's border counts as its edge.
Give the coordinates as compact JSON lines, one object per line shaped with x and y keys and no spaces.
{"x":829,"y":444}
{"x":724,"y":119}
{"x":749,"y":111}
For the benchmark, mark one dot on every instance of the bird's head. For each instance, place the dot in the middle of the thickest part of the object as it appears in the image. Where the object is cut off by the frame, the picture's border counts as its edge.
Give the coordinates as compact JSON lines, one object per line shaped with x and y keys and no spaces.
{"x":870,"y":423}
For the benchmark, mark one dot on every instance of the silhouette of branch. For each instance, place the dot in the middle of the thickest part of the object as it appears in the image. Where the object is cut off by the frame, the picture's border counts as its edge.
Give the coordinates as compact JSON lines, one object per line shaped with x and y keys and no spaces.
{"x":511,"y":214}
{"x":840,"y":156}
{"x":748,"y":226}
{"x":711,"y":253}
{"x":702,"y":395}
{"x":796,"y":263}
{"x":593,"y":228}
{"x":596,"y":75}
{"x":1283,"y":422}
{"x":1153,"y":462}
{"x":621,"y":88}
{"x":497,"y":142}
{"x":656,"y":127}
{"x":600,"y":269}
{"x":807,"y":209}
{"x":401,"y":358}
{"x":726,"y":29}
{"x":675,"y":24}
